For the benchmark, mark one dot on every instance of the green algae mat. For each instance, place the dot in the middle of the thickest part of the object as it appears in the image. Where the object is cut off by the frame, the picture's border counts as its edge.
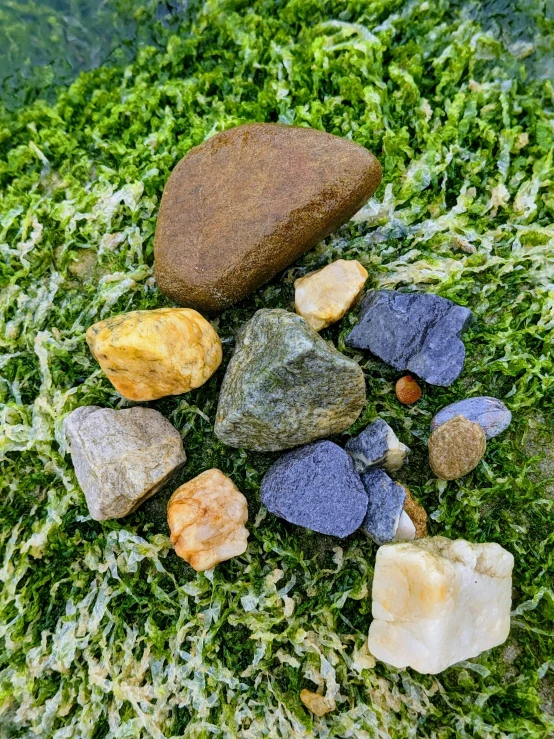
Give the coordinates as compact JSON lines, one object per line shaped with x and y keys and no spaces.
{"x":104,"y":632}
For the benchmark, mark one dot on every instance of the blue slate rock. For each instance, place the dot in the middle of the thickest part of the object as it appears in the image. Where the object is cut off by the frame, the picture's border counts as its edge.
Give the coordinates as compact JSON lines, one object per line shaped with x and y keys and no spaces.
{"x":413,"y":331}
{"x":490,"y":413}
{"x":377,"y":446}
{"x":385,"y":505}
{"x":317,"y":487}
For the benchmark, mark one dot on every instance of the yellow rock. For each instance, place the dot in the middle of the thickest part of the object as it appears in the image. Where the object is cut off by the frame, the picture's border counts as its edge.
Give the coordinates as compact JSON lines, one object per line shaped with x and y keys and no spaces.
{"x":316,"y":703}
{"x":147,"y":354}
{"x":324,"y":296}
{"x":206,"y":517}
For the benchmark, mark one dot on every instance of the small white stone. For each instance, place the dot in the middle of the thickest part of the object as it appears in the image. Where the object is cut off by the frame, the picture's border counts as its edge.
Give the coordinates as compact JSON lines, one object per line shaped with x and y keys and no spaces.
{"x":324,"y":296}
{"x":405,"y":530}
{"x":437,"y":602}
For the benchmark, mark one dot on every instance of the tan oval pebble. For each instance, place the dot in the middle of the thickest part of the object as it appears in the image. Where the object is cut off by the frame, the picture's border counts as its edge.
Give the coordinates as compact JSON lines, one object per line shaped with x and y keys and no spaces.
{"x":206,"y":517}
{"x":456,"y":448}
{"x":148,"y":354}
{"x":316,"y":703}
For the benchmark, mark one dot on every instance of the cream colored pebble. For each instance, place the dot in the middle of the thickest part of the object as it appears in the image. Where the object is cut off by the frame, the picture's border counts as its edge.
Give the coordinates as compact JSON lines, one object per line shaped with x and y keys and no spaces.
{"x":437,"y":601}
{"x":316,"y":703}
{"x":324,"y":296}
{"x":148,"y":354}
{"x":206,"y":517}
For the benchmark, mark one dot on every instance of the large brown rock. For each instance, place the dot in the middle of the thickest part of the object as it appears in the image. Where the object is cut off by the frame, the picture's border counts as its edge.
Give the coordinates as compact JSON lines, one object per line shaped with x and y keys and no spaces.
{"x":249,"y":201}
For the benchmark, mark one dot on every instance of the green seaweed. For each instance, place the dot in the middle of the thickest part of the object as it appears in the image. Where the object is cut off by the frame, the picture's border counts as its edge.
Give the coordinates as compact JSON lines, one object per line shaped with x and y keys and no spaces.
{"x":104,"y":632}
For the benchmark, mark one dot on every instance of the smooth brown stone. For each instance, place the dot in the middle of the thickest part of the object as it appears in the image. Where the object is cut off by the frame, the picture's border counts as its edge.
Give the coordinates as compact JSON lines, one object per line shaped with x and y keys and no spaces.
{"x":246,"y":203}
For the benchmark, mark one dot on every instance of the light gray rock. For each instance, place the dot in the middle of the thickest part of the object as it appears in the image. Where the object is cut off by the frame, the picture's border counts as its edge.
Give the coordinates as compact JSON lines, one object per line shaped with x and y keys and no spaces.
{"x":490,"y":413}
{"x":285,"y":386}
{"x":121,"y":457}
{"x":377,"y":446}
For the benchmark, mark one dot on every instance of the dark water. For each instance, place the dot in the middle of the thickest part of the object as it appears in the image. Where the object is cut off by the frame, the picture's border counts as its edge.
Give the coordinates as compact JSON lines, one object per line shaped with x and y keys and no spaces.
{"x":49,"y":42}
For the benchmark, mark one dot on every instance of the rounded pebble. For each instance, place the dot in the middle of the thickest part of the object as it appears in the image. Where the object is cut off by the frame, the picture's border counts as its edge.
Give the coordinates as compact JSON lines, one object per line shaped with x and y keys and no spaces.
{"x":407,"y":390}
{"x":456,"y":448}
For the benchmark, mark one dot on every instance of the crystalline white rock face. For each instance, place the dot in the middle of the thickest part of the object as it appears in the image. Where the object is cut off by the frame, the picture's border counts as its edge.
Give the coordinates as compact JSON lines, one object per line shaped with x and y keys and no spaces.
{"x":437,"y":602}
{"x":405,"y":530}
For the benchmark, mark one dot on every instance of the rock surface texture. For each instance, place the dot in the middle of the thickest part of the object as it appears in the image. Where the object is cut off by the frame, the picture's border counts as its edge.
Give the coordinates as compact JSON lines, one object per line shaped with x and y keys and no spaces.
{"x":417,"y":514}
{"x":316,"y":703}
{"x":406,"y":530}
{"x":384,"y":508}
{"x":415,"y":332}
{"x":247,"y":202}
{"x":206,"y":517}
{"x":121,"y":457}
{"x":491,"y":414}
{"x":377,"y":446}
{"x":437,"y":602}
{"x":407,"y":390}
{"x":147,"y":354}
{"x":324,"y":296}
{"x":456,"y":448}
{"x":286,"y":386}
{"x":316,"y":487}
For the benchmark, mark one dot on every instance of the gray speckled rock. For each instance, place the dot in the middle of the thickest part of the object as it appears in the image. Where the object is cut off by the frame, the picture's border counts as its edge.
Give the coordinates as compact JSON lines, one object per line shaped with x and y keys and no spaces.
{"x":121,"y":457}
{"x":415,"y":332}
{"x":385,"y":505}
{"x":316,"y":487}
{"x":377,"y":446}
{"x":286,"y":386}
{"x":491,"y":414}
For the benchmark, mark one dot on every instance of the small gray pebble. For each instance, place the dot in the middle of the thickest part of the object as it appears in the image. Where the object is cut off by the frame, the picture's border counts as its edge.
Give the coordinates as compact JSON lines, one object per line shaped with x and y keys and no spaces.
{"x":413,"y":331}
{"x":317,"y":487}
{"x":377,"y":446}
{"x":490,"y":413}
{"x":385,"y":505}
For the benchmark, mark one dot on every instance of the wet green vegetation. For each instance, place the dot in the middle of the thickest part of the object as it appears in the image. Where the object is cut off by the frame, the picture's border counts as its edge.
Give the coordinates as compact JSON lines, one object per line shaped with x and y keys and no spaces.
{"x":103,"y":631}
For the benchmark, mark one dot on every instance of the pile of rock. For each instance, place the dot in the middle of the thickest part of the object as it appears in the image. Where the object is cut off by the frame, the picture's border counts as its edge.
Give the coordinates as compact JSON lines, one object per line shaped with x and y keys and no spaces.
{"x":335,"y":491}
{"x":235,"y":211}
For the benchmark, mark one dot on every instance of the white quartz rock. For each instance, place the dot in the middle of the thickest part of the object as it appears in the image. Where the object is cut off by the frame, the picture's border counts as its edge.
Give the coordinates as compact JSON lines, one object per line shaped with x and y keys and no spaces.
{"x":437,"y":602}
{"x":405,"y":531}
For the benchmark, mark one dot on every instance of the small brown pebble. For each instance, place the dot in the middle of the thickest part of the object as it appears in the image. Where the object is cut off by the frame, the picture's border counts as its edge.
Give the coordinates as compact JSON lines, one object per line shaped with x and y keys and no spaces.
{"x":316,"y":703}
{"x":407,"y":390}
{"x":417,"y":514}
{"x":456,"y":448}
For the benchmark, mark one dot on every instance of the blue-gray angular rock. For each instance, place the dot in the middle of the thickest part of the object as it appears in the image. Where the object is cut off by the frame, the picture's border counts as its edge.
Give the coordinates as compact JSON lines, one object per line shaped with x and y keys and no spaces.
{"x":415,"y":332}
{"x":286,"y":386}
{"x":377,"y":446}
{"x":385,"y":505}
{"x":490,"y":413}
{"x":317,"y":487}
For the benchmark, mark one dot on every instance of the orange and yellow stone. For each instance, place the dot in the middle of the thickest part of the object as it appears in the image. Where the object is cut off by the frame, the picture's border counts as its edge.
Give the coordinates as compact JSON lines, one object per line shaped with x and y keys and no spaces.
{"x":148,"y":354}
{"x":206,"y":517}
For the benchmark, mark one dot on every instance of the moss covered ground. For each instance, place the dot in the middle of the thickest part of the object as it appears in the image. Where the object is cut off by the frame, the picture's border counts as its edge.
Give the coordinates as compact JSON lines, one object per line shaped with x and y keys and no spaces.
{"x":103,"y":631}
